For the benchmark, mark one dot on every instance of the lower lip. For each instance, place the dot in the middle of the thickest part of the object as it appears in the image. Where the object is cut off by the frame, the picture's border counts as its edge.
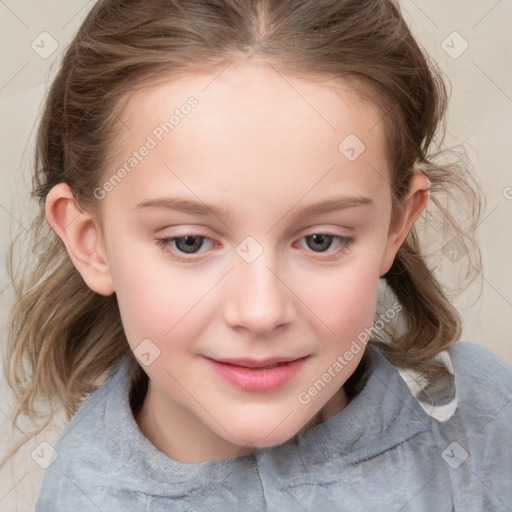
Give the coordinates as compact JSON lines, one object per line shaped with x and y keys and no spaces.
{"x":257,"y":379}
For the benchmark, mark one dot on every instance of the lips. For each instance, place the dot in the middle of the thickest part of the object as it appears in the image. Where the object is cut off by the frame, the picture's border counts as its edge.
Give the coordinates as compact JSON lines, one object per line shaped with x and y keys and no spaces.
{"x":257,"y":375}
{"x":270,"y":362}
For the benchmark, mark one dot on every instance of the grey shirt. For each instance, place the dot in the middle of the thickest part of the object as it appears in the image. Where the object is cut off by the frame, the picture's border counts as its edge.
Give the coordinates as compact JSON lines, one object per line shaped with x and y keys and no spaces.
{"x":395,"y":447}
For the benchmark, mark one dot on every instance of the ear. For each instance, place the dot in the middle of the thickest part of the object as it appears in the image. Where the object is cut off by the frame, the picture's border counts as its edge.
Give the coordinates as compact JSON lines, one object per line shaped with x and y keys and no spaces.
{"x":412,"y":205}
{"x":82,"y":235}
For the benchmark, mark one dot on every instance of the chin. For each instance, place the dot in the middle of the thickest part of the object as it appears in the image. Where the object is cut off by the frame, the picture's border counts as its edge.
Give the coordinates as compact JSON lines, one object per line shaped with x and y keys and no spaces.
{"x":263,"y":436}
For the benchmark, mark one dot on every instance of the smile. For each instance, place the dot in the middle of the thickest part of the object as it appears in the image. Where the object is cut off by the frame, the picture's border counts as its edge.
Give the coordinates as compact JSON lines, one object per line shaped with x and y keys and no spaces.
{"x":251,"y":375}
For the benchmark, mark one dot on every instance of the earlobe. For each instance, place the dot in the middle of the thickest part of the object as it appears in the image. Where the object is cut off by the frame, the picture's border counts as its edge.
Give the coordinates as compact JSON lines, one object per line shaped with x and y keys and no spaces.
{"x":82,"y":236}
{"x":413,"y":205}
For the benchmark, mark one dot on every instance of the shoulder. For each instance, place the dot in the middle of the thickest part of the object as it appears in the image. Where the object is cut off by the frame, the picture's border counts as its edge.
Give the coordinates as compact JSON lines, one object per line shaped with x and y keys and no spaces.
{"x":478,"y":436}
{"x":484,"y":392}
{"x":480,"y":374}
{"x":82,"y":456}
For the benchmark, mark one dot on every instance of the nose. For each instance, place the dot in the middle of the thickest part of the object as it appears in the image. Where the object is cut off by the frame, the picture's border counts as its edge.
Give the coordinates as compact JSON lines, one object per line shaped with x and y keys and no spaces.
{"x":258,"y":300}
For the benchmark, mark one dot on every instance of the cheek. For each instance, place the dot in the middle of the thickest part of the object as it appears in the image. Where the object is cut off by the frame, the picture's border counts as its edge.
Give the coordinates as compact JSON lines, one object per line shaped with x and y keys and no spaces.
{"x":344,"y":299}
{"x":170,"y":309}
{"x":155,"y":300}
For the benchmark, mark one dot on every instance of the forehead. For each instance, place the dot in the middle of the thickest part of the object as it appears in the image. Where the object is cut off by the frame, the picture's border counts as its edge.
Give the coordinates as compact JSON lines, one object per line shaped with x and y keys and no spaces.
{"x":260,"y":89}
{"x":254,"y":124}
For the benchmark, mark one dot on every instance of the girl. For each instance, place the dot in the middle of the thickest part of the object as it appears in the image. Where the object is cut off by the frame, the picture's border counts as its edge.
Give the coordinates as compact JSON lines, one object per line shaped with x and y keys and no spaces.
{"x":224,"y":185}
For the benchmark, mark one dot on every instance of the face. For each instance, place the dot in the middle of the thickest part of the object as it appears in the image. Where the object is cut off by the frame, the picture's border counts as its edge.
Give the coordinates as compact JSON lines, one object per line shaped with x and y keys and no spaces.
{"x":250,"y":228}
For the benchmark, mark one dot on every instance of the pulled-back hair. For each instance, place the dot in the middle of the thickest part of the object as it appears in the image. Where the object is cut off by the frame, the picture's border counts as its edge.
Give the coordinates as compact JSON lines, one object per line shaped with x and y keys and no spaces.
{"x":63,"y":337}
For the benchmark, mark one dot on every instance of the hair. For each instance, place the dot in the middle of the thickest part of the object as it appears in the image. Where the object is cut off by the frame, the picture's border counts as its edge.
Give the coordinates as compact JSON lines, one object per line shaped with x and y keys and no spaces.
{"x":63,"y":338}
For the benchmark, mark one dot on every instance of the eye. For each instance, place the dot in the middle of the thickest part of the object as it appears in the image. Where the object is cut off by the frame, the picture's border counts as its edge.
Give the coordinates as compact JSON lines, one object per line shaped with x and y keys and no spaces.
{"x":188,"y":244}
{"x":186,"y":247}
{"x":321,"y":242}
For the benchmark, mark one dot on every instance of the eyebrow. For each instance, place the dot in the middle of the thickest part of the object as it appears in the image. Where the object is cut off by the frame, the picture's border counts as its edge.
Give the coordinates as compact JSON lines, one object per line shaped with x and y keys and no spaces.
{"x":199,"y":208}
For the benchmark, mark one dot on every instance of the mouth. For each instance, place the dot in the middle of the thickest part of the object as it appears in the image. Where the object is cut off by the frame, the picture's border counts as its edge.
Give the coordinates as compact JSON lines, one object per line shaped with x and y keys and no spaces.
{"x":270,"y":362}
{"x":257,"y":375}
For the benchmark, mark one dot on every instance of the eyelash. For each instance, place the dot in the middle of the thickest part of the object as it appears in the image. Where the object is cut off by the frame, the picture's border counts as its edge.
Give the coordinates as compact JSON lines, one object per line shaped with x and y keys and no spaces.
{"x":165,"y":242}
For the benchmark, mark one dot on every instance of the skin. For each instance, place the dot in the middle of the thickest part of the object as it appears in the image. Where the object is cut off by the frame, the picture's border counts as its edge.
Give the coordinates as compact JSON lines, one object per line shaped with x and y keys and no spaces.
{"x":264,"y":147}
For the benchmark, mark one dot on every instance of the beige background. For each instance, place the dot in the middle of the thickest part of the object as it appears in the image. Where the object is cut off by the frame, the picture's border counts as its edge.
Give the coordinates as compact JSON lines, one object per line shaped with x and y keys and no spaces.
{"x":479,"y":116}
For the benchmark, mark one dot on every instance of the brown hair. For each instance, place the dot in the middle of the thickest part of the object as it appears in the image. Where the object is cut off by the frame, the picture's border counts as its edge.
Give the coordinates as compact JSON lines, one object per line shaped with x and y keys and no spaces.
{"x":63,"y":337}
